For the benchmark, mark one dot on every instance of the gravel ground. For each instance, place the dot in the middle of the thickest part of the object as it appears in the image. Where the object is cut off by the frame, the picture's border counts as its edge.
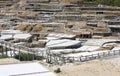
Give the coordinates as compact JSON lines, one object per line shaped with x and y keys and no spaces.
{"x":106,"y":67}
{"x":8,"y":61}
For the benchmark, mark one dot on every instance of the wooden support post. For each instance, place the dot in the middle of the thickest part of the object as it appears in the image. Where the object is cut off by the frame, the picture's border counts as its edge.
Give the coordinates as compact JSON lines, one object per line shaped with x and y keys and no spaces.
{"x":80,"y":59}
{"x":47,"y":57}
{"x":6,"y":49}
{"x":73,"y":59}
{"x":56,"y":59}
{"x":114,"y":52}
{"x":103,"y":54}
{"x":119,"y":52}
{"x":42,"y":53}
{"x":28,"y":55}
{"x":85,"y":58}
{"x":2,"y":50}
{"x":19,"y":53}
{"x":92,"y":57}
{"x":99,"y":55}
{"x":108,"y":53}
{"x":63,"y":59}
{"x":33,"y":56}
{"x":11,"y":54}
{"x":14,"y":50}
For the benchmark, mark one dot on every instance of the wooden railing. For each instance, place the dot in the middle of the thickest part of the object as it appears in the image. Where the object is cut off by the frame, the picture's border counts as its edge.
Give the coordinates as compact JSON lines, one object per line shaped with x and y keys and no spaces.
{"x":19,"y":49}
{"x":61,"y":59}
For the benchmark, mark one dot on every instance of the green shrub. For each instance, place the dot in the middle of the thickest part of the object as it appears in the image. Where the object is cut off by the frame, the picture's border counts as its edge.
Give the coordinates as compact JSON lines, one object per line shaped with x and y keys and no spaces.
{"x":3,"y":56}
{"x":28,"y":57}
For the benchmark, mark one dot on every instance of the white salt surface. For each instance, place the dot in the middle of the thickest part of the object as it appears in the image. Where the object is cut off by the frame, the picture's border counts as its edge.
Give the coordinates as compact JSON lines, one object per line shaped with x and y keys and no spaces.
{"x":98,"y":42}
{"x":62,"y":43}
{"x":10,"y":32}
{"x":116,"y":48}
{"x":3,"y":37}
{"x":60,"y":35}
{"x":62,"y":50}
{"x":88,"y":48}
{"x":42,"y":74}
{"x":84,"y":54}
{"x":22,"y":36}
{"x":27,"y":68}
